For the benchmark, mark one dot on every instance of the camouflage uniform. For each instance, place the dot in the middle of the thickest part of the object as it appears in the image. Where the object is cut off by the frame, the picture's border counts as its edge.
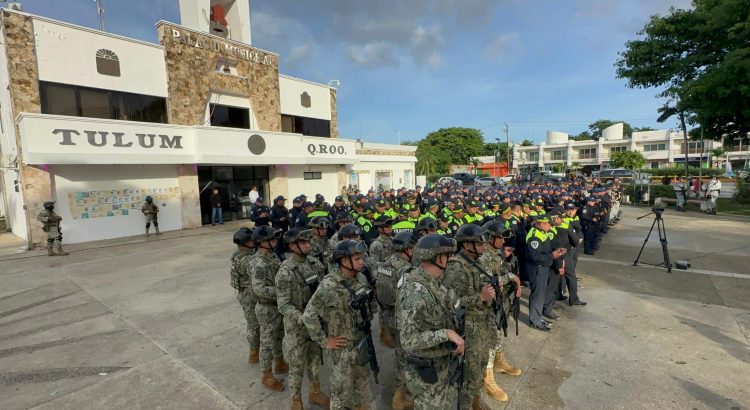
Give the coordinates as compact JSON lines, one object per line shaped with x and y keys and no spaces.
{"x":263,"y":268}
{"x":240,"y":280}
{"x":467,"y":282}
{"x":51,"y":223}
{"x":332,"y":243}
{"x":293,"y":295}
{"x":320,"y":249}
{"x":389,"y":274}
{"x":151,"y":210}
{"x":330,"y":305}
{"x":380,"y":250}
{"x":425,"y":310}
{"x":494,"y":264}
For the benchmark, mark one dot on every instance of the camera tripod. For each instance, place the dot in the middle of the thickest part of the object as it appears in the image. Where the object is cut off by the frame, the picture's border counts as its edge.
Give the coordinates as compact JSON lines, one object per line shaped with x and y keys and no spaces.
{"x":659,"y":223}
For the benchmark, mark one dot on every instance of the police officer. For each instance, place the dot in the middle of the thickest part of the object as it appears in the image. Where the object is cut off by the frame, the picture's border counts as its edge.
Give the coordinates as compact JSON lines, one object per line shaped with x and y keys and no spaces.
{"x":151,"y":211}
{"x":589,"y":220}
{"x":303,"y":217}
{"x":51,"y":225}
{"x":264,"y":267}
{"x":279,"y":214}
{"x":465,"y":277}
{"x":297,"y":280}
{"x":427,"y":321}
{"x":239,"y":278}
{"x":389,"y":274}
{"x":330,"y":309}
{"x":261,"y":214}
{"x":540,"y":257}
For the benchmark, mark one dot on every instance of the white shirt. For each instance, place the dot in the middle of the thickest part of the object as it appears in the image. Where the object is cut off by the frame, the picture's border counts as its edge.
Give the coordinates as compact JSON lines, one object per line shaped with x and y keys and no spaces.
{"x":253,"y":196}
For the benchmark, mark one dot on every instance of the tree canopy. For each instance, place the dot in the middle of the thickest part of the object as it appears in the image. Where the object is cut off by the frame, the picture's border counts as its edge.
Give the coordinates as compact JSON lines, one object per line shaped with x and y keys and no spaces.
{"x":446,"y":146}
{"x":700,"y":59}
{"x":627,"y":159}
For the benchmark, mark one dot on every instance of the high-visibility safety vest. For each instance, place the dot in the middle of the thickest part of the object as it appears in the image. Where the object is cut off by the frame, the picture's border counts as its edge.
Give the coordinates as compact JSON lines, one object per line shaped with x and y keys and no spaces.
{"x":539,"y":234}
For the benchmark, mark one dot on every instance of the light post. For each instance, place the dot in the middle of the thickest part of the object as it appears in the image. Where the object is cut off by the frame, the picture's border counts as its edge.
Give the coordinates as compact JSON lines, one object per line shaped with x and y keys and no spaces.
{"x":497,"y":155}
{"x":507,"y":146}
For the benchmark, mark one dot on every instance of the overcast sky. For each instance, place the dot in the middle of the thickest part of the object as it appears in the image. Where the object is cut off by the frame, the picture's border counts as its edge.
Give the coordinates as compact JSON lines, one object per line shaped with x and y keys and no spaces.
{"x":418,"y":65}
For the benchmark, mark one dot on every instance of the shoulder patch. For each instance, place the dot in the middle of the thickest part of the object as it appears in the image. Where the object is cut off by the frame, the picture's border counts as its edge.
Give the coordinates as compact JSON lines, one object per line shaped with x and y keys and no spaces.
{"x":384,"y":271}
{"x":534,"y":244}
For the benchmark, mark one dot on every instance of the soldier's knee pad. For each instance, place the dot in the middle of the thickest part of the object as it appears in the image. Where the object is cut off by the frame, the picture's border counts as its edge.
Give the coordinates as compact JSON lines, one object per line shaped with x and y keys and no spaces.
{"x":50,"y":240}
{"x":148,"y":225}
{"x":156,"y":223}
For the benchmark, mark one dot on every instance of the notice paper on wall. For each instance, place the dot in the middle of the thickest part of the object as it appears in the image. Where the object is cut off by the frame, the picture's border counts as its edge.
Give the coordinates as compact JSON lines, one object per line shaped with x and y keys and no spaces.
{"x":118,"y":202}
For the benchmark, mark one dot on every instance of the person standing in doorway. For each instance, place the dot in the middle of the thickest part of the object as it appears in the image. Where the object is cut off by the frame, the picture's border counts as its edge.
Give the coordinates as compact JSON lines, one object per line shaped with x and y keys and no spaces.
{"x":253,"y":196}
{"x":216,"y":211}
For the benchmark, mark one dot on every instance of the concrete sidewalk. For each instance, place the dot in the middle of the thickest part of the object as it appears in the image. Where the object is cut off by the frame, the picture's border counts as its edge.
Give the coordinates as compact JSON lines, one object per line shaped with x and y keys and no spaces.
{"x":153,"y":323}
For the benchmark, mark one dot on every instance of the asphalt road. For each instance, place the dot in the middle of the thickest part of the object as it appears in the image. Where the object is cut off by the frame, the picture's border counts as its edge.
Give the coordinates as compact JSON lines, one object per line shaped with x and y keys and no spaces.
{"x":154,"y":324}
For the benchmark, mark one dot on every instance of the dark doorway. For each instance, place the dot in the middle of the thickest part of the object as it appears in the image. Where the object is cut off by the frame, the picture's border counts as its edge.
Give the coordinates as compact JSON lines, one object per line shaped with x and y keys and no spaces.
{"x":234,"y":184}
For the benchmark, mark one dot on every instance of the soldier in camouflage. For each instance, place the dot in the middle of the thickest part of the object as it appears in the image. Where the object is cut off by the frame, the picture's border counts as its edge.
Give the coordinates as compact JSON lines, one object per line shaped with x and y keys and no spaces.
{"x":389,"y":274}
{"x":264,"y":267}
{"x":51,"y":225}
{"x":240,"y":280}
{"x":333,"y":324}
{"x":346,"y":232}
{"x":151,"y":211}
{"x":319,"y":240}
{"x":380,"y":250}
{"x":493,"y":262}
{"x":425,"y":311}
{"x":341,"y":220}
{"x":297,"y":280}
{"x":463,"y":277}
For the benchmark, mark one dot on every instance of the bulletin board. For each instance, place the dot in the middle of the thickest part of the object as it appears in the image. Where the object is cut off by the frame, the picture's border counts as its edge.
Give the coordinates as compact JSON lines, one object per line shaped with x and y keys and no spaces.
{"x":119,"y":202}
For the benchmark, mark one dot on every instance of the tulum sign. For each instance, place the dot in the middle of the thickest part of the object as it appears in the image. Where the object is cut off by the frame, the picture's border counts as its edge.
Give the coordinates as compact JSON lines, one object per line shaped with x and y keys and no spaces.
{"x":117,"y":139}
{"x":222,"y":47}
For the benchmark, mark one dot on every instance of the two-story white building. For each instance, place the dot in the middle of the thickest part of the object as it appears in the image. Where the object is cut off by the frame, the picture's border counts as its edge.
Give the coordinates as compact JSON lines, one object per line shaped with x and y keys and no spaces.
{"x":97,"y":121}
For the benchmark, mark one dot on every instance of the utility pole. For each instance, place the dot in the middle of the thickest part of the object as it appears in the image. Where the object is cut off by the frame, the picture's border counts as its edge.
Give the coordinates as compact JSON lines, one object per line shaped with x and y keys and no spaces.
{"x":507,"y":149}
{"x":399,"y":136}
{"x":100,"y":11}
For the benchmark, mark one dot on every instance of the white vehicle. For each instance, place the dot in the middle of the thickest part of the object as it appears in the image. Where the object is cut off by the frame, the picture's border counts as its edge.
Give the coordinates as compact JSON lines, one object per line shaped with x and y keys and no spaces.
{"x":506,"y":179}
{"x":487,"y":181}
{"x":449,"y":181}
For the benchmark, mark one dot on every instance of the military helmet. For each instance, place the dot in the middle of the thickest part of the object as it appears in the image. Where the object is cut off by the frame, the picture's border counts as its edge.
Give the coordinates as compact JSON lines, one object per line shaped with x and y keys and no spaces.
{"x":343,"y":216}
{"x":403,"y":240}
{"x":242,"y":235}
{"x":319,"y":222}
{"x":149,"y":199}
{"x":348,"y":248}
{"x":471,"y":233}
{"x":383,"y":220}
{"x":49,"y":205}
{"x":430,"y":246}
{"x":297,"y":234}
{"x":498,"y":229}
{"x":426,"y":224}
{"x":265,"y":233}
{"x":349,"y":231}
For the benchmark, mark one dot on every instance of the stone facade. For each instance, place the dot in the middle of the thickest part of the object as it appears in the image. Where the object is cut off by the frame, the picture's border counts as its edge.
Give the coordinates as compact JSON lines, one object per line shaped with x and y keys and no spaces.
{"x":36,"y":182}
{"x":334,"y":115}
{"x":191,"y":60}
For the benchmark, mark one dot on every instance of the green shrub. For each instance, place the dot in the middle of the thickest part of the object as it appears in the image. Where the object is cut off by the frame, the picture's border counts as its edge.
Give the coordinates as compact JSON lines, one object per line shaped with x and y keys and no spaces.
{"x":743,"y":192}
{"x":673,"y":171}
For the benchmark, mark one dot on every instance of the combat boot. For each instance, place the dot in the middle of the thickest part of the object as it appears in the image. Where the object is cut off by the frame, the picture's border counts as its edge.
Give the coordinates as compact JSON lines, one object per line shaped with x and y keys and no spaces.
{"x":157,"y":230}
{"x":401,"y":401}
{"x":386,"y":338}
{"x":280,"y":367}
{"x":270,"y":382}
{"x":297,"y":402}
{"x":254,"y":356}
{"x":478,"y":404}
{"x":147,"y":235}
{"x":60,"y":251}
{"x":491,"y":387}
{"x":317,"y":396}
{"x":502,"y":366}
{"x":50,"y":252}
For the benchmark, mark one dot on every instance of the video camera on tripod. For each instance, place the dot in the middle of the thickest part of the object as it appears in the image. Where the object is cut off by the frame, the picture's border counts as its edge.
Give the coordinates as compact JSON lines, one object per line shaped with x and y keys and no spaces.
{"x":659,"y":223}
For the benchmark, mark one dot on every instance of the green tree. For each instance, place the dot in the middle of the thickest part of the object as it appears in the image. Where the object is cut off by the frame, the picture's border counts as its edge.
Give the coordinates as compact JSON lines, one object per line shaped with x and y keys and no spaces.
{"x":448,"y":146}
{"x":627,"y":159}
{"x":527,"y":143}
{"x":410,"y":142}
{"x":584,"y":136}
{"x":699,"y":58}
{"x":426,"y":160}
{"x":490,"y":148}
{"x":637,"y":129}
{"x":597,"y":127}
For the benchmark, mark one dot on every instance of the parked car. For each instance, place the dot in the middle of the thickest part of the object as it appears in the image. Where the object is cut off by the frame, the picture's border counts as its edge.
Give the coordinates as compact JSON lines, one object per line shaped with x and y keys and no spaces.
{"x":506,"y":179}
{"x":487,"y":181}
{"x":449,"y":181}
{"x":466,"y":178}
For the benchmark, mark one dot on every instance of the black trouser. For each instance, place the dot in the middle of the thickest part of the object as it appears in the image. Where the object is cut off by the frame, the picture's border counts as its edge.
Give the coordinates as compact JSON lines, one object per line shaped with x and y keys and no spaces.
{"x":538,"y":278}
{"x":553,"y":284}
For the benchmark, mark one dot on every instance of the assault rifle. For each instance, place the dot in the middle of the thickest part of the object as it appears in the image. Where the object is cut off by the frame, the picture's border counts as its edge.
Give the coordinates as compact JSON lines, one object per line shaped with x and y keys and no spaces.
{"x":361,"y":303}
{"x":458,"y":362}
{"x":501,"y":319}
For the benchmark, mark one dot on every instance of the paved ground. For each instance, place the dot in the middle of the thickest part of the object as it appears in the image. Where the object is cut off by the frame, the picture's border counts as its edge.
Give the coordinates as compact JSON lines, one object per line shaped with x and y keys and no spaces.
{"x":154,"y":324}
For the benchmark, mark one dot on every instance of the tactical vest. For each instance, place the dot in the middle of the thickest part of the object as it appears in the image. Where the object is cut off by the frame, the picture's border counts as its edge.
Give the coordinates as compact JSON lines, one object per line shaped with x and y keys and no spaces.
{"x":387,"y":282}
{"x":235,"y":267}
{"x":446,"y":317}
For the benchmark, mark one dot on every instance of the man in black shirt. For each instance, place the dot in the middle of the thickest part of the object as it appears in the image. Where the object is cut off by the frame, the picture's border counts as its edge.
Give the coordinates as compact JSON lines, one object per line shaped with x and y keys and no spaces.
{"x":261,"y":213}
{"x":279,"y":214}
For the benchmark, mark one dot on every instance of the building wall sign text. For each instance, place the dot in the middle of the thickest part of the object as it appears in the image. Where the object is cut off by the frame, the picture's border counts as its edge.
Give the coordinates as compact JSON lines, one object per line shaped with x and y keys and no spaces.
{"x":225,"y":48}
{"x":117,"y":139}
{"x":315,"y":149}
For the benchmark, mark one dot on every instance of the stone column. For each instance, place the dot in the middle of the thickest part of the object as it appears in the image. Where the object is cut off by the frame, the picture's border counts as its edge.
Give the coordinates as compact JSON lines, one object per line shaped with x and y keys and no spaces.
{"x":36,"y":182}
{"x":278,"y":183}
{"x":190,"y":204}
{"x":334,"y":115}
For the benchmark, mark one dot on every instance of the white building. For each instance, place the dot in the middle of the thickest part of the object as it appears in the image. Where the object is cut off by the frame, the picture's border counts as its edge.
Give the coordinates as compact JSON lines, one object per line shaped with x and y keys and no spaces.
{"x":97,"y":121}
{"x":661,"y":148}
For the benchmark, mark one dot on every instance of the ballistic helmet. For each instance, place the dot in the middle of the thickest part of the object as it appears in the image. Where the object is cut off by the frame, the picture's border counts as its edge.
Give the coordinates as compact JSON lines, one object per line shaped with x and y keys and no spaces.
{"x":49,"y":205}
{"x":319,"y":222}
{"x":471,"y":233}
{"x":297,"y":234}
{"x":265,"y":233}
{"x":430,"y":246}
{"x":348,"y":231}
{"x":402,"y":241}
{"x":426,"y":224}
{"x":348,"y":248}
{"x":242,"y":235}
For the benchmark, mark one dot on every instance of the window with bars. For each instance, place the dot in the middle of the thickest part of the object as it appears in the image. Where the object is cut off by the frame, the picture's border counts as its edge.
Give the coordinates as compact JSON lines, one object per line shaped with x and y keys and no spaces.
{"x":312,"y":175}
